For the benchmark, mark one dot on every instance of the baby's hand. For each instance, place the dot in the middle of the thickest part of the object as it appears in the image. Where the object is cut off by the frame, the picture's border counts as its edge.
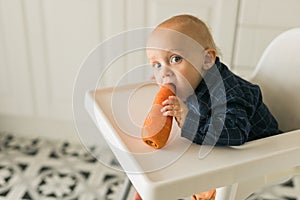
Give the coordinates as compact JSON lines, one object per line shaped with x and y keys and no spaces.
{"x":173,"y":106}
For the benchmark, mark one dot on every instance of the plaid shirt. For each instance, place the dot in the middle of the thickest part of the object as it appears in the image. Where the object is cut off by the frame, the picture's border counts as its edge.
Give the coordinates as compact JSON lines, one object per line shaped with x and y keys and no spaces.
{"x":227,"y":110}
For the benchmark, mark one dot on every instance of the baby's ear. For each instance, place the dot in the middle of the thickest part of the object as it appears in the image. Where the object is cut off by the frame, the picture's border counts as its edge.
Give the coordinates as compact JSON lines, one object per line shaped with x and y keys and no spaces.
{"x":209,"y":58}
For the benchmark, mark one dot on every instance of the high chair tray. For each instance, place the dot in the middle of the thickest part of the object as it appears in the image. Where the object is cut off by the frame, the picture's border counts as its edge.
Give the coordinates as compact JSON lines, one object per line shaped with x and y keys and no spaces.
{"x":180,"y":168}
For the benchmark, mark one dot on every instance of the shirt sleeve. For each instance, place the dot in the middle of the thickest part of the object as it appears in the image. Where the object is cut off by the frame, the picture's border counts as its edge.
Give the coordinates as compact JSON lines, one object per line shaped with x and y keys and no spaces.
{"x":220,"y":129}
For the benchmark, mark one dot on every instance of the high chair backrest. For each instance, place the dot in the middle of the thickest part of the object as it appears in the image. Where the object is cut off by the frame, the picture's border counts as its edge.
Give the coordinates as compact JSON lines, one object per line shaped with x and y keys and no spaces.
{"x":278,"y":75}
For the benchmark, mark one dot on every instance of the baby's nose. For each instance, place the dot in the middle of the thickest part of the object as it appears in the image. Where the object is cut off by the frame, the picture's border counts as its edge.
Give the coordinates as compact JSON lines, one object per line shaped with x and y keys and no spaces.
{"x":166,"y":71}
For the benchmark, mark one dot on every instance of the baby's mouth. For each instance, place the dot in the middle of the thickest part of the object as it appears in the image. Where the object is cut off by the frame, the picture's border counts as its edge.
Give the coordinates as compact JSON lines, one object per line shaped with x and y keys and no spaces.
{"x":169,"y":82}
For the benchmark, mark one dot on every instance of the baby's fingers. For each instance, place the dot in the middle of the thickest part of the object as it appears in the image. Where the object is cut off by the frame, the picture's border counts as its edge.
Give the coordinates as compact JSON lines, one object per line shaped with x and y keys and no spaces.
{"x":170,"y":100}
{"x":166,"y":108}
{"x":173,"y":113}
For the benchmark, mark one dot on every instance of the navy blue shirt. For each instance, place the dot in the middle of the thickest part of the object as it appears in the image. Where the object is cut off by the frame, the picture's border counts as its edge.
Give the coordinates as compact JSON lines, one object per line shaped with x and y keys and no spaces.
{"x":227,"y":110}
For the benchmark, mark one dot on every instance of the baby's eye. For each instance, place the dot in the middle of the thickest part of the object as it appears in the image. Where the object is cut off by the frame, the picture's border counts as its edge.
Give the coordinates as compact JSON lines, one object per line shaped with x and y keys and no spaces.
{"x":176,"y":59}
{"x":156,"y":65}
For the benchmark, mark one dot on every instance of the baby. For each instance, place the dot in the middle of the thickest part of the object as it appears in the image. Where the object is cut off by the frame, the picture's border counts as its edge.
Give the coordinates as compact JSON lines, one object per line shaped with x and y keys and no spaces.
{"x":213,"y":106}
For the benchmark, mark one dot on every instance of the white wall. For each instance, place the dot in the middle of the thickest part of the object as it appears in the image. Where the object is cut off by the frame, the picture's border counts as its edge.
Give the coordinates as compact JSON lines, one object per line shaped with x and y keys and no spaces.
{"x":43,"y":43}
{"x":42,"y":46}
{"x":260,"y":21}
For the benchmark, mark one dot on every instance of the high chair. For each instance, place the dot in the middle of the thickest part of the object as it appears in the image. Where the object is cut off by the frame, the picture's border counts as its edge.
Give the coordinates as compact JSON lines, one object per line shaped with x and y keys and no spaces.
{"x":278,"y":75}
{"x":177,"y":170}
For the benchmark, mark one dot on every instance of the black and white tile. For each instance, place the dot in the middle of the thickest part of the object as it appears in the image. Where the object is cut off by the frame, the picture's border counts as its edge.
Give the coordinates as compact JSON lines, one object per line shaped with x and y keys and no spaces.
{"x":40,"y":169}
{"x":289,"y":190}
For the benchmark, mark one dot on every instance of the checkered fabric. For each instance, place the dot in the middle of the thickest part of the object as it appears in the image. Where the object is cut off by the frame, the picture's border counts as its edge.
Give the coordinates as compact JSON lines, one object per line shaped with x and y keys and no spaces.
{"x":227,"y":110}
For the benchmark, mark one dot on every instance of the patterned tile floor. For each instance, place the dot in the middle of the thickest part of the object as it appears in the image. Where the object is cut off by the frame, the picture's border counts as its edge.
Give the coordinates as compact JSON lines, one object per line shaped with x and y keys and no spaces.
{"x":40,"y":169}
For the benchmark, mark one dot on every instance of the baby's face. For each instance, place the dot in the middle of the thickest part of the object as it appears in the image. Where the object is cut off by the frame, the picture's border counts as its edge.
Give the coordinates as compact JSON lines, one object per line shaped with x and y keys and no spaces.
{"x":176,"y":59}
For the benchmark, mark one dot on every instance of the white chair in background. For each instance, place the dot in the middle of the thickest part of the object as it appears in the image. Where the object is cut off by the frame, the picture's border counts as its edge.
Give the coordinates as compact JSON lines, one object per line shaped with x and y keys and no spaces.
{"x":278,"y":75}
{"x":235,"y":171}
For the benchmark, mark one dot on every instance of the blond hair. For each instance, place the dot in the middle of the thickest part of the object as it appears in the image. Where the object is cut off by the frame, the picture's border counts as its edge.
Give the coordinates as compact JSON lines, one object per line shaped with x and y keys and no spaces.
{"x":193,"y":27}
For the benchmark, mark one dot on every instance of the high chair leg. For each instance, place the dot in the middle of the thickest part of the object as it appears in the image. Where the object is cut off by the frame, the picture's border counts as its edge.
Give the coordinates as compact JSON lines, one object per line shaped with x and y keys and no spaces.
{"x":227,"y":192}
{"x":126,"y":188}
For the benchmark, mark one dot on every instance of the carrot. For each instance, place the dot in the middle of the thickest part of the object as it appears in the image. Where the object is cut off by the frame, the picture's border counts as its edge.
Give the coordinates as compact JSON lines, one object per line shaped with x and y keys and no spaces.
{"x":209,"y":195}
{"x":157,"y":128}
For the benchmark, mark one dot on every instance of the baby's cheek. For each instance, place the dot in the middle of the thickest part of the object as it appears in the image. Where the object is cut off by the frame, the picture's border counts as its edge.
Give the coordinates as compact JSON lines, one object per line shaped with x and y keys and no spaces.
{"x":158,"y":78}
{"x":158,"y":81}
{"x":152,"y":78}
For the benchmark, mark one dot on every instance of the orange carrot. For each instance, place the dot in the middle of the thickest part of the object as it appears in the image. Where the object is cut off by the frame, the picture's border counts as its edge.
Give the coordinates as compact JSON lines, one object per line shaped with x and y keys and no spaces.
{"x":209,"y":195}
{"x":157,"y":128}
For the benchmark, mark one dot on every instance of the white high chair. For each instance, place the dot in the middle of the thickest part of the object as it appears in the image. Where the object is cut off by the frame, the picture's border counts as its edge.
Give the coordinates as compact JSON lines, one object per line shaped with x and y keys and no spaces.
{"x":278,"y":75}
{"x":235,"y":171}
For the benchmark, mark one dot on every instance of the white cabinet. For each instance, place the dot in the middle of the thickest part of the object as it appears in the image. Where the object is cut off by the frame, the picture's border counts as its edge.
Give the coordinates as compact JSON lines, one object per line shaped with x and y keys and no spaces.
{"x":15,"y":73}
{"x":60,"y":36}
{"x":42,"y":46}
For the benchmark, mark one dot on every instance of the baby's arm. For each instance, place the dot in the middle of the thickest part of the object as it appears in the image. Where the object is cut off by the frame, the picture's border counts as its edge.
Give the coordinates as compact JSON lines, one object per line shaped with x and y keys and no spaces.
{"x":173,"y":106}
{"x":218,"y":128}
{"x":231,"y":129}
